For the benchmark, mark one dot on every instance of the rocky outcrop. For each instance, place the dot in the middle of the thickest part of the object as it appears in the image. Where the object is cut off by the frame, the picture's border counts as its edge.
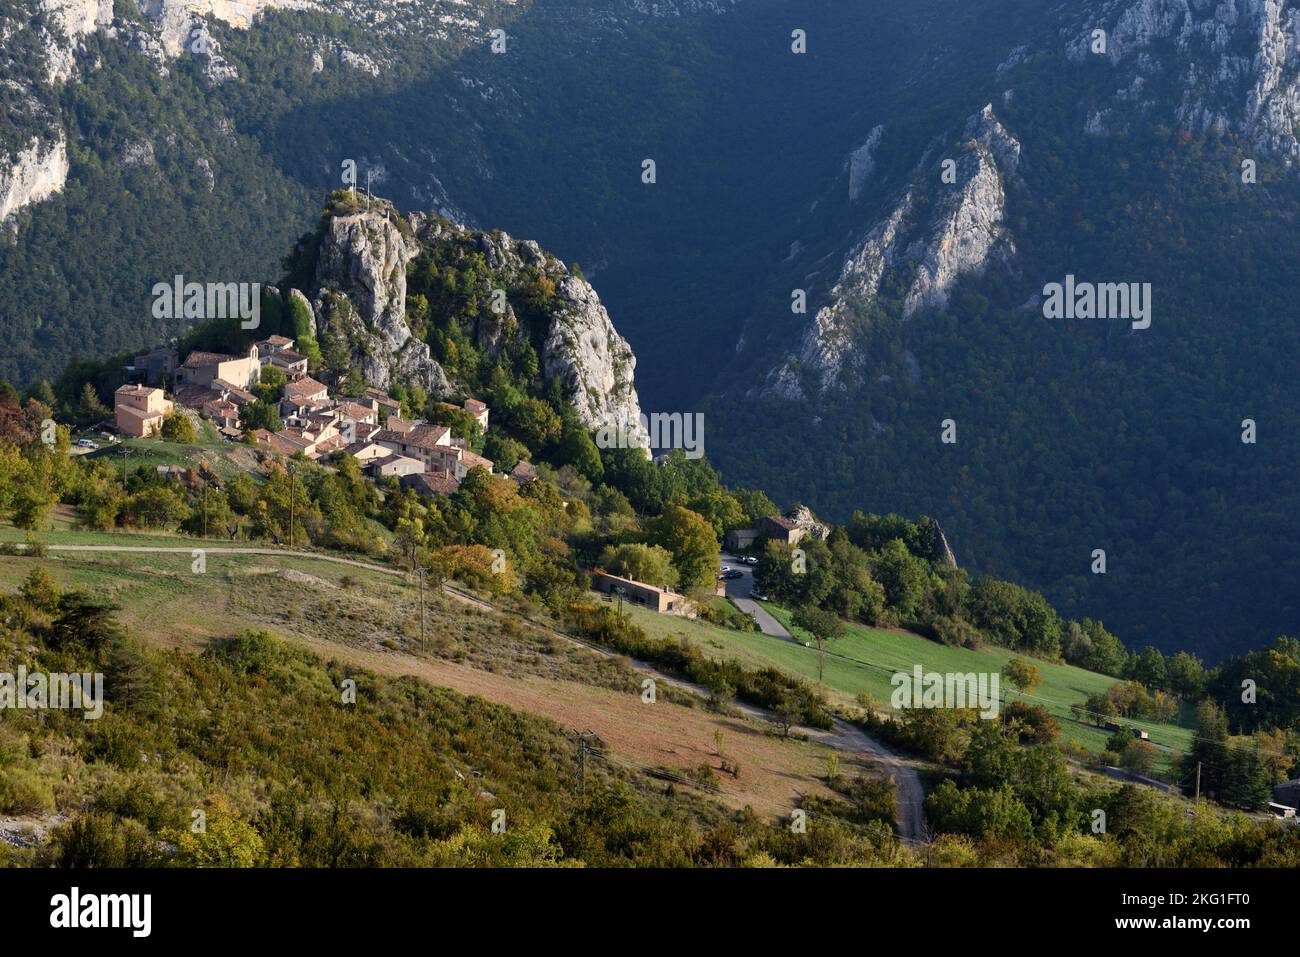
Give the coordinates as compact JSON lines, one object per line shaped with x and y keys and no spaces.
{"x":69,"y":20}
{"x":960,"y":231}
{"x":580,"y":348}
{"x":801,"y":516}
{"x":862,"y":163}
{"x":32,"y":174}
{"x":943,"y":555}
{"x":590,"y":359}
{"x":360,"y":295}
{"x":1237,"y":65}
{"x":175,"y":19}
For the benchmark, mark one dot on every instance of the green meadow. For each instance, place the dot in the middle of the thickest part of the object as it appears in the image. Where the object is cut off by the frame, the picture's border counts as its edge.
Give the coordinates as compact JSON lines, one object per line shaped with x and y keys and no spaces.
{"x":865,"y":659}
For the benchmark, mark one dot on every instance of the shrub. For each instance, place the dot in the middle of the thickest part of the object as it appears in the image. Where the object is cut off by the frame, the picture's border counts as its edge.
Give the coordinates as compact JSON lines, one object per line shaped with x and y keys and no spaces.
{"x":24,"y":791}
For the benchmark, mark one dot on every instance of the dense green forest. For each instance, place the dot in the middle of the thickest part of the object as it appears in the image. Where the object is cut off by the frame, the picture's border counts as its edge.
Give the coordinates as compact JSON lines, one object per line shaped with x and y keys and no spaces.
{"x":1072,"y":437}
{"x":1082,"y":435}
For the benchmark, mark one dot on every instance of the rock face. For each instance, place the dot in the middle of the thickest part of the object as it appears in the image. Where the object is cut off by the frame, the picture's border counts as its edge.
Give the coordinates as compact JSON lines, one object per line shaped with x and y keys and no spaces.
{"x":360,"y":293}
{"x":959,"y":234}
{"x":580,"y":348}
{"x":1237,"y":64}
{"x":590,"y":359}
{"x":174,"y":19}
{"x":360,"y":290}
{"x":942,"y":550}
{"x":33,"y":174}
{"x":69,"y":21}
{"x":802,"y":517}
{"x":862,"y":163}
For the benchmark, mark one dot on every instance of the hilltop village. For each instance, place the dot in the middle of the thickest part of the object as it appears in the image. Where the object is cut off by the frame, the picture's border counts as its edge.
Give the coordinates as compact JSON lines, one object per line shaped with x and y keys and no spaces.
{"x":231,"y":390}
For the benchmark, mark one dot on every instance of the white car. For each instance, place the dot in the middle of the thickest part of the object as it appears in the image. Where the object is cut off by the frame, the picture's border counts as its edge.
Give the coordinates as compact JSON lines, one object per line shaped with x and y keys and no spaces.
{"x":86,"y":444}
{"x":749,"y":560}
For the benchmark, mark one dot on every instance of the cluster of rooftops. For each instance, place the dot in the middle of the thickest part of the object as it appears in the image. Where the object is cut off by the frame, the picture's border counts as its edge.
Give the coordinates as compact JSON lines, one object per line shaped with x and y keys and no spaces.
{"x":317,"y":424}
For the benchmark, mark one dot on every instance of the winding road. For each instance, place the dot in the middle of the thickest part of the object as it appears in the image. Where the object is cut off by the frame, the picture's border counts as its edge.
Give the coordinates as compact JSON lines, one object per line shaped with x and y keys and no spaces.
{"x":843,"y":736}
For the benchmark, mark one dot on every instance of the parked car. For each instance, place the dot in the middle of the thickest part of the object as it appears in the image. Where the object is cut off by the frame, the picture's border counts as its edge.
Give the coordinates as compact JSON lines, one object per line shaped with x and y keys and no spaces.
{"x":757,"y":596}
{"x":750,"y":560}
{"x":86,"y":444}
{"x":724,"y":568}
{"x":733,"y":574}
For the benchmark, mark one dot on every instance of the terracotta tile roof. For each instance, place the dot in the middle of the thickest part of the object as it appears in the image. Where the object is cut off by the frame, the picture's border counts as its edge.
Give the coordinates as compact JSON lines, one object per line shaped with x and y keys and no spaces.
{"x":242,"y":394}
{"x":356,"y":448}
{"x":422,"y":436}
{"x":196,"y":359}
{"x":432,"y":483}
{"x":193,"y":395}
{"x":138,"y":413}
{"x":471,"y":459}
{"x":304,"y":387}
{"x":354,"y":410}
{"x":332,"y":444}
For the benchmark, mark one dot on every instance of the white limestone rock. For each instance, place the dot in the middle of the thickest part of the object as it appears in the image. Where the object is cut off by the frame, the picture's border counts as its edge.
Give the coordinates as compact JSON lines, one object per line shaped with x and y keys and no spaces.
{"x":32,"y":174}
{"x":960,"y":234}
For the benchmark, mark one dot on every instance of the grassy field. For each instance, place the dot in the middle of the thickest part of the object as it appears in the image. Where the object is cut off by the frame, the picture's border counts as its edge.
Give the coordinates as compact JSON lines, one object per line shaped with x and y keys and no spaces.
{"x":866,"y":658}
{"x":62,"y":530}
{"x":226,"y":458}
{"x":372,"y":620}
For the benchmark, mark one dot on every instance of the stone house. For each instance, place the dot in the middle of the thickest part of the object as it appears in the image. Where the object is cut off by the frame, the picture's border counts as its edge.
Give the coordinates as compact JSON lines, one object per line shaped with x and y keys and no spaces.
{"x":139,"y":410}
{"x":201,"y":368}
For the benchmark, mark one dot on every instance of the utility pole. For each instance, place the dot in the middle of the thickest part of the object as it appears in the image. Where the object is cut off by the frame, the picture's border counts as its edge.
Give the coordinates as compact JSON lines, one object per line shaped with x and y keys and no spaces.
{"x":125,"y":452}
{"x":1198,"y":782}
{"x":582,"y":759}
{"x":421,"y":610}
{"x":205,"y":509}
{"x":291,"y":497}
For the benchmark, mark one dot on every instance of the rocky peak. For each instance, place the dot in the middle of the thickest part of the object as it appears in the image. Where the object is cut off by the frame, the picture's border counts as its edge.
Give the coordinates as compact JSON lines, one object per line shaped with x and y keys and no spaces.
{"x":585,"y":353}
{"x":360,"y":293}
{"x":961,"y":230}
{"x":580,"y":348}
{"x":1237,"y":64}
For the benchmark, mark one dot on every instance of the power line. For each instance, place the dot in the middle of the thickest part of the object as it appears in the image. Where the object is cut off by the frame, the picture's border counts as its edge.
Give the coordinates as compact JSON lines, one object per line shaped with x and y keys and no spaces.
{"x":1151,"y":725}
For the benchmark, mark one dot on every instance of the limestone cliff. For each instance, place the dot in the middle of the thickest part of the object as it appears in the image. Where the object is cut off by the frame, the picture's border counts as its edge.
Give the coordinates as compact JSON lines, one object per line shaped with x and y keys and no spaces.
{"x":925,"y":246}
{"x":174,"y":19}
{"x":32,"y":174}
{"x":588,"y":356}
{"x":580,"y":348}
{"x":360,"y":292}
{"x":1236,"y":65}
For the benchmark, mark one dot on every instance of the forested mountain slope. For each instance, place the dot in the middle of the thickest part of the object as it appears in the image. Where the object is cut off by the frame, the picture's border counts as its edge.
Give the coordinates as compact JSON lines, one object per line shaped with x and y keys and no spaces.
{"x":197,"y":137}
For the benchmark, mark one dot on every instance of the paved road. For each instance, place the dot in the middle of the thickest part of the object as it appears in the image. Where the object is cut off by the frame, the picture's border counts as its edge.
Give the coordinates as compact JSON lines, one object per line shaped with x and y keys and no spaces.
{"x":739,"y":589}
{"x":843,"y":736}
{"x":907,"y":783}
